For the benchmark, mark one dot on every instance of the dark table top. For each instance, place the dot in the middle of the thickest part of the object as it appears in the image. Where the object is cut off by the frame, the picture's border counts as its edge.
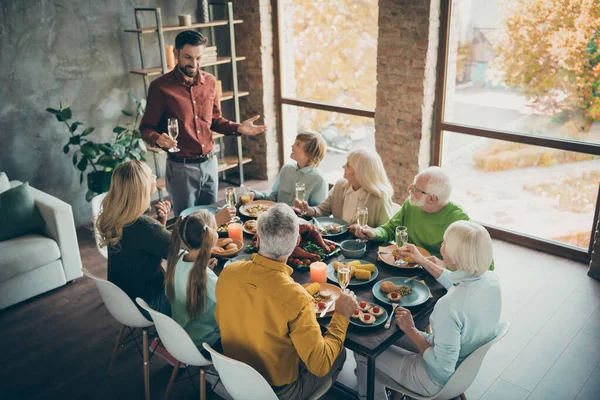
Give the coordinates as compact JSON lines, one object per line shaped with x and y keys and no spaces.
{"x":370,"y":341}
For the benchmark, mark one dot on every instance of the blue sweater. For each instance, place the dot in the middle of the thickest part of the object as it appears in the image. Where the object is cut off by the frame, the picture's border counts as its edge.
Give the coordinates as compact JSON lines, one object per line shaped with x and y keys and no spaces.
{"x":284,"y":188}
{"x":466,"y":318}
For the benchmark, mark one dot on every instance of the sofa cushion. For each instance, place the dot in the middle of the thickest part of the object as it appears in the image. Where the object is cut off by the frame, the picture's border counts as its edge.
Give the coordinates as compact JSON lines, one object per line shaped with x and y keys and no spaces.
{"x":4,"y":183}
{"x":18,"y":213}
{"x":26,"y":253}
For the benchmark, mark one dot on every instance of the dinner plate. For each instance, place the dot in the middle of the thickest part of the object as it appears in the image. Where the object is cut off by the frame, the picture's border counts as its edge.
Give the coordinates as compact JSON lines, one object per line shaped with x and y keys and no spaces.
{"x":378,"y":322}
{"x":244,"y":208}
{"x":243,"y":257}
{"x":420,"y":291}
{"x":247,"y":231}
{"x":336,"y":292}
{"x":324,"y":221}
{"x":213,"y":210}
{"x":332,"y":274}
{"x":385,"y":255}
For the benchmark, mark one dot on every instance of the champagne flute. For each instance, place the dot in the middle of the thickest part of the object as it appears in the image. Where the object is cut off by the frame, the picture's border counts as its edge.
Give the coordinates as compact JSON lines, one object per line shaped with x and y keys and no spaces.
{"x":401,"y":241}
{"x":173,"y":131}
{"x":301,"y":194}
{"x":231,"y":201}
{"x":362,"y":217}
{"x":343,"y":275}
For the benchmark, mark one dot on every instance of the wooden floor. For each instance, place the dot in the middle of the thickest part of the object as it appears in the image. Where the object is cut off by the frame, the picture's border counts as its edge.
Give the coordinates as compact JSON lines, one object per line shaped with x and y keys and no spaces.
{"x":57,"y":345}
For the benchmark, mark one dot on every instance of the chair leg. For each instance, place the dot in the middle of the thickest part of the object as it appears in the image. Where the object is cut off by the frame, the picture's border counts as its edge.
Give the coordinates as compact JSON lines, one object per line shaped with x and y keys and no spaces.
{"x":172,"y":379}
{"x":463,"y":397}
{"x":202,"y":384}
{"x":146,"y":364}
{"x":116,"y":348}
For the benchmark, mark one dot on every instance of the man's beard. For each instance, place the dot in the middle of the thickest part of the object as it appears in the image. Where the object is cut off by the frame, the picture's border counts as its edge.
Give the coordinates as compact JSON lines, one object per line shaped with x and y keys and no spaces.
{"x":185,"y":71}
{"x":416,"y":203}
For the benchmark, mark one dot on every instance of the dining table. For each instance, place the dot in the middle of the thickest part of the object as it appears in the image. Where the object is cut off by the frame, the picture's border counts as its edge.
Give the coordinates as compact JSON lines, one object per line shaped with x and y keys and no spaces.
{"x":367,"y":341}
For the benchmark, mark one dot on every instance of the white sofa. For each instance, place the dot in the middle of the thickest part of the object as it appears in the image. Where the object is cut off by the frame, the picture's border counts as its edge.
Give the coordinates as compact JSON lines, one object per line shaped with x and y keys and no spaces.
{"x":33,"y":264}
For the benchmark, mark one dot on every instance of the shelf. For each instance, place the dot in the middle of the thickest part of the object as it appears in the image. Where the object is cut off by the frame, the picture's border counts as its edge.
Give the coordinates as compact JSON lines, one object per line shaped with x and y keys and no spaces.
{"x":182,"y":28}
{"x":228,"y":95}
{"x":158,"y":70}
{"x":229,"y":162}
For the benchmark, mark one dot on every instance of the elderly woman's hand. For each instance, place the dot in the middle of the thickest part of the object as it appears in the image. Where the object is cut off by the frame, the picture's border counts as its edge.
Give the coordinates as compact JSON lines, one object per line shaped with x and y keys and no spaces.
{"x":436,"y":261}
{"x":404,"y":319}
{"x":303,"y":207}
{"x":410,"y":250}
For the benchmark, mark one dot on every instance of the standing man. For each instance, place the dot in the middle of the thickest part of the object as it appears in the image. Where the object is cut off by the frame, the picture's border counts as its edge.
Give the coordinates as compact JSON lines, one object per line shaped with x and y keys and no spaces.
{"x":189,"y":95}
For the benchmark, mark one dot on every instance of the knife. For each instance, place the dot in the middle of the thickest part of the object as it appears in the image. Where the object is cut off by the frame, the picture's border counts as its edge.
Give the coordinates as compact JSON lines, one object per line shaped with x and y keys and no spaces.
{"x":327,"y":307}
{"x":318,"y":224}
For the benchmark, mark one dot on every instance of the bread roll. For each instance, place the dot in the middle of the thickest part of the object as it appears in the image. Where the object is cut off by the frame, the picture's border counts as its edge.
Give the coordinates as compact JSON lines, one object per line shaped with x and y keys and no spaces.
{"x":224,"y":242}
{"x":217,"y":249}
{"x":231,"y":246}
{"x":387,"y":287}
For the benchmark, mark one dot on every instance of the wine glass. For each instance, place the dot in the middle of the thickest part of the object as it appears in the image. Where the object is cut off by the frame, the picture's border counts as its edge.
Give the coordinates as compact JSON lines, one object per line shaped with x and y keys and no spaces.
{"x":401,"y":241}
{"x":245,"y":198}
{"x":231,"y":201}
{"x":343,"y":275}
{"x":301,"y":194}
{"x":173,"y":131}
{"x":362,"y":217}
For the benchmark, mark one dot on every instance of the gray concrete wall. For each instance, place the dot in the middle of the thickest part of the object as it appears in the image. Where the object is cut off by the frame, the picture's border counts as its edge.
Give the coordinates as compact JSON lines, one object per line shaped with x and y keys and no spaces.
{"x":74,"y":51}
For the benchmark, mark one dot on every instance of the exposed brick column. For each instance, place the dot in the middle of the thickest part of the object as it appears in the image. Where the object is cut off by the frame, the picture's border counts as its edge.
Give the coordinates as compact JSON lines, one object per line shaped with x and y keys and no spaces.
{"x":254,"y":40}
{"x":406,"y":74}
{"x":594,"y":270}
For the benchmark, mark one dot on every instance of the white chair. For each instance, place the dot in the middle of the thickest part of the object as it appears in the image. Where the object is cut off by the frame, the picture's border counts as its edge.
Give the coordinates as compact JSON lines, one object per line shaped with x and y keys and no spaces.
{"x":179,"y":344}
{"x":245,"y":383}
{"x":96,"y":208}
{"x":122,"y":308}
{"x":462,"y":378}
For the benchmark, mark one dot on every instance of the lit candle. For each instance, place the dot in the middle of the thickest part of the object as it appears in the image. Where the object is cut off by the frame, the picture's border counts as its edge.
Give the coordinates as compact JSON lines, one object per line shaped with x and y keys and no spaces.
{"x":234,"y":231}
{"x":170,"y":57}
{"x":318,"y":272}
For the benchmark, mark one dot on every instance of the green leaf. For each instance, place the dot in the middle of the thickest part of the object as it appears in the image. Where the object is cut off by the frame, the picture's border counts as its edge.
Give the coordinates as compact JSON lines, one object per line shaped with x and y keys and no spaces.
{"x":66,"y":149}
{"x":65,"y":114}
{"x":134,"y":154}
{"x":83,"y":163}
{"x":74,"y":125}
{"x":119,"y":129}
{"x":88,"y":131}
{"x":135,"y":100}
{"x":74,"y":159}
{"x":90,"y":149}
{"x":127,"y":113}
{"x":53,"y":111}
{"x":107,"y":161}
{"x":106,"y":148}
{"x":75,"y":139}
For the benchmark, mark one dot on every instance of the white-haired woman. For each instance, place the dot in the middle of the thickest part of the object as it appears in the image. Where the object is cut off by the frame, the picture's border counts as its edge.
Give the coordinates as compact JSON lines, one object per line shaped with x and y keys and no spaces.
{"x":464,"y":319}
{"x":365,"y":184}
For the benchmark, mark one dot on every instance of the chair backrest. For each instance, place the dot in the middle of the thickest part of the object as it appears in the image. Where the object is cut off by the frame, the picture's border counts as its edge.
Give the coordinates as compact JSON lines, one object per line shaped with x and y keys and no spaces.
{"x":119,"y":305}
{"x":96,"y":207}
{"x":467,"y":371}
{"x":175,"y":339}
{"x":241,"y":380}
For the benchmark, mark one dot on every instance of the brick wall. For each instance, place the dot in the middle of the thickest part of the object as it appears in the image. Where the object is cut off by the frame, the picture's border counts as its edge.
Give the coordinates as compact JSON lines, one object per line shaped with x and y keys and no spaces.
{"x":406,"y":74}
{"x":254,"y":40}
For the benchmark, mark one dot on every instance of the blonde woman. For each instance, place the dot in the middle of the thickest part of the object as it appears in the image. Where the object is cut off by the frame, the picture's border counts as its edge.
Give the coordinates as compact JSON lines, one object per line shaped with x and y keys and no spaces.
{"x":136,"y":243}
{"x":463,"y":320}
{"x":308,"y":151}
{"x":365,"y":184}
{"x":190,"y":281}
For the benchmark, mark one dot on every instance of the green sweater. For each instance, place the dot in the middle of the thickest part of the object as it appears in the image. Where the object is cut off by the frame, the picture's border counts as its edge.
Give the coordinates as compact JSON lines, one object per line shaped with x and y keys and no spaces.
{"x":424,"y":229}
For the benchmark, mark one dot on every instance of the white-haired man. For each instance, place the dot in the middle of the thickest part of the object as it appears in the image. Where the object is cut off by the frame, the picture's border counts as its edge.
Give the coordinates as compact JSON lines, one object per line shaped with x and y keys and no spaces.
{"x":427,"y":213}
{"x":268,"y":321}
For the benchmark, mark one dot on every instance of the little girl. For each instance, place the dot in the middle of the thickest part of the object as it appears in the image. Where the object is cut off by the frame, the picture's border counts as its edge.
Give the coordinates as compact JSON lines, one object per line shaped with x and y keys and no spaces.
{"x":190,"y":281}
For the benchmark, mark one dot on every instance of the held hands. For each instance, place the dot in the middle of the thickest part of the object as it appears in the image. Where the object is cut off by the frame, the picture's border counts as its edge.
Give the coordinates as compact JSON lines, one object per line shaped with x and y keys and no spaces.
{"x":249,"y":129}
{"x":346,"y":303}
{"x":225,"y":215}
{"x":410,"y":250}
{"x":166,"y":142}
{"x":404,"y":319}
{"x":163,"y":209}
{"x":365,"y":233}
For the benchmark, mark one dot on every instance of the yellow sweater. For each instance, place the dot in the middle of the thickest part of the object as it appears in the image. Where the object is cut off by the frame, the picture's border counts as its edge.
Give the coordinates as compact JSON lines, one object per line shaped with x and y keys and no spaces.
{"x":268,"y":322}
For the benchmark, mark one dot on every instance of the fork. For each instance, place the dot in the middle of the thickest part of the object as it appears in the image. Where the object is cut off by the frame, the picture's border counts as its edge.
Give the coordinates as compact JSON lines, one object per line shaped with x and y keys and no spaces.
{"x":389,"y":321}
{"x":411,"y":278}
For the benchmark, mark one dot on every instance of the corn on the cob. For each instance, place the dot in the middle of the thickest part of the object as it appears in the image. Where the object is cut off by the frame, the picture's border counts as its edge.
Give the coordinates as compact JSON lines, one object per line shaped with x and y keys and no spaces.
{"x":362,"y":275}
{"x":313,"y":288}
{"x":366,"y":267}
{"x":353,"y":263}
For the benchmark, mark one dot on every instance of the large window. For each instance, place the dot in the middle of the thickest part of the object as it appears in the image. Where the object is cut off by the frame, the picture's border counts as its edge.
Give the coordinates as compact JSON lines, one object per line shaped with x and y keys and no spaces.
{"x":519,"y":125}
{"x":327,"y":67}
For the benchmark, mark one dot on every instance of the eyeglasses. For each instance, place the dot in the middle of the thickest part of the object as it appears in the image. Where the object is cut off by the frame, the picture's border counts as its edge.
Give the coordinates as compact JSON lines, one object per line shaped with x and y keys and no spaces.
{"x":413,"y":188}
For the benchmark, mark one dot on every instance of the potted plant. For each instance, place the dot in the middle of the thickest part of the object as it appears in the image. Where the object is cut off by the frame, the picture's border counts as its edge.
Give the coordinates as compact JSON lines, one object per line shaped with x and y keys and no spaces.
{"x":98,"y":160}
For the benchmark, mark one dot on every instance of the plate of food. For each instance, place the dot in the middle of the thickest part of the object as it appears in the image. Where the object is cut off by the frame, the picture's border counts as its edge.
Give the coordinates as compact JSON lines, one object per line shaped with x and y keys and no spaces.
{"x":391,"y":253}
{"x":255,"y":208}
{"x":222,"y":230}
{"x":227,"y":247}
{"x":249,"y":227}
{"x":368,"y":315}
{"x":330,"y":226}
{"x":396,"y":290}
{"x":361,"y":271}
{"x":241,"y":257}
{"x":212,"y":209}
{"x":322,"y":294}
